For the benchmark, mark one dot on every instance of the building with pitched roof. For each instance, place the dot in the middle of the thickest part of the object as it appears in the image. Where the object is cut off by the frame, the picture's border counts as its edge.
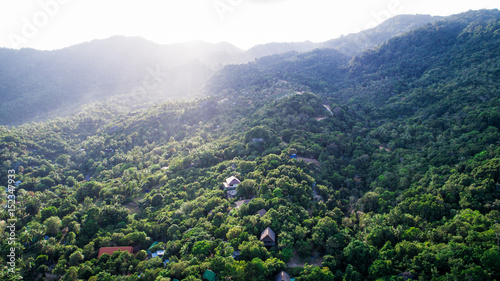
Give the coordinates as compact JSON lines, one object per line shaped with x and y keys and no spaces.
{"x":283,"y":276}
{"x":241,"y":202}
{"x":268,"y":237}
{"x":231,"y":183}
{"x":261,"y":212}
{"x":230,"y":186}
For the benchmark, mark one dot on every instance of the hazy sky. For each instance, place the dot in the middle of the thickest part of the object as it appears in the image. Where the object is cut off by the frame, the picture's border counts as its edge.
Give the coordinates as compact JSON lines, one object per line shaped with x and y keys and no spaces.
{"x":55,"y":24}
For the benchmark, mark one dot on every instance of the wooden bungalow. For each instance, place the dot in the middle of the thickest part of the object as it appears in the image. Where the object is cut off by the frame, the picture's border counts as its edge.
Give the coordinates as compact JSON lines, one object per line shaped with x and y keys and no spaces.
{"x":231,"y":183}
{"x":230,"y":186}
{"x":261,"y":212}
{"x":268,"y":237}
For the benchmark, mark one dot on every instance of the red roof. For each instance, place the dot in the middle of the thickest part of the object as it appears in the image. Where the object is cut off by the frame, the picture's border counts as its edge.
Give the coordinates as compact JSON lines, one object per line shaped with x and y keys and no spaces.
{"x":111,"y":250}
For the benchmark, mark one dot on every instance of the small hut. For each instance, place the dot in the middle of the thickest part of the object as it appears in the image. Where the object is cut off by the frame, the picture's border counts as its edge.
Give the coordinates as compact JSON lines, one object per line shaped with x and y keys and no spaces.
{"x":268,"y":237}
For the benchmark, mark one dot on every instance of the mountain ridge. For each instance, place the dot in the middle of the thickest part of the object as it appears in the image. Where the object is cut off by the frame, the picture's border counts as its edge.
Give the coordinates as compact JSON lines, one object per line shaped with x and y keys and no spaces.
{"x":139,"y":70}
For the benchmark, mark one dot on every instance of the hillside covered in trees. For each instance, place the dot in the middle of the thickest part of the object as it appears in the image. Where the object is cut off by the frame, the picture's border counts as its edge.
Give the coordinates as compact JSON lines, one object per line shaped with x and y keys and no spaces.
{"x":382,"y":166}
{"x":134,"y":73}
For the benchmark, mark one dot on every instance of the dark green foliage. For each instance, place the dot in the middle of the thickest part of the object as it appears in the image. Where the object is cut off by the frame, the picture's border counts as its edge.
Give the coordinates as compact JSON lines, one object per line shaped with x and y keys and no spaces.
{"x":48,"y":212}
{"x":389,"y":170}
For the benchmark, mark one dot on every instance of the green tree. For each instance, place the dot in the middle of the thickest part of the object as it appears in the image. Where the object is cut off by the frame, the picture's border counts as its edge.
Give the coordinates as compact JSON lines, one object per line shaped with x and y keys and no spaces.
{"x":141,"y":255}
{"x":351,"y":274}
{"x":246,"y":188}
{"x":71,"y":274}
{"x":315,"y":273}
{"x":256,"y":270}
{"x":381,"y":268}
{"x":253,"y":249}
{"x":202,"y":248}
{"x":89,"y":250}
{"x":157,"y":200}
{"x":491,"y":261}
{"x":41,"y":259}
{"x":325,"y":228}
{"x":76,"y":258}
{"x":360,"y":254}
{"x":85,"y":272}
{"x":48,"y":212}
{"x":52,"y":225}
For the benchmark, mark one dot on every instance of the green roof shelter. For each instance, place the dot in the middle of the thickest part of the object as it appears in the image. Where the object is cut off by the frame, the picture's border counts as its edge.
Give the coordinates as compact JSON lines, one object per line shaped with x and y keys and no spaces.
{"x":209,"y":275}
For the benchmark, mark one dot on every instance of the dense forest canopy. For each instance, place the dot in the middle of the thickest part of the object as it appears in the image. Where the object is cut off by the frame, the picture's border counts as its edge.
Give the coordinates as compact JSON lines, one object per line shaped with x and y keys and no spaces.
{"x":381,"y":166}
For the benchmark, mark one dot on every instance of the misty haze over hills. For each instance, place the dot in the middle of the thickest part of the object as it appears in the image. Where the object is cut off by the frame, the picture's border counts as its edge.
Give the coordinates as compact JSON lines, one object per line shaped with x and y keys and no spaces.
{"x":46,"y":84}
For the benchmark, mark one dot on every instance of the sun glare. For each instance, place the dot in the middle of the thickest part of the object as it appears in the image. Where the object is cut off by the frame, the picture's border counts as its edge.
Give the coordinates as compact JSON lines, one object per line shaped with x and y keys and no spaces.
{"x":53,"y":24}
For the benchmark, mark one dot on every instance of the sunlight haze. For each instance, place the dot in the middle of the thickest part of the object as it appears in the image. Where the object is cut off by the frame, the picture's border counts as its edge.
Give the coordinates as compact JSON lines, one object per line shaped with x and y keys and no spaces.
{"x":55,"y":24}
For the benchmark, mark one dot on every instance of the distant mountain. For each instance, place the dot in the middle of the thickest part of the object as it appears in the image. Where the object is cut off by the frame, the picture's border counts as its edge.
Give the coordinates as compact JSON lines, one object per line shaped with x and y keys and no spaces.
{"x":46,"y":84}
{"x":356,"y":43}
{"x":207,"y":53}
{"x":38,"y":85}
{"x":279,"y":48}
{"x":439,"y":68}
{"x":351,"y":44}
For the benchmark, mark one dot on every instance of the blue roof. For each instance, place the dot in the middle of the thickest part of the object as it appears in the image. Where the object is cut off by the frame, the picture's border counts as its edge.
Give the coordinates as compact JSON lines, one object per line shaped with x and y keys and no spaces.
{"x":235,"y":254}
